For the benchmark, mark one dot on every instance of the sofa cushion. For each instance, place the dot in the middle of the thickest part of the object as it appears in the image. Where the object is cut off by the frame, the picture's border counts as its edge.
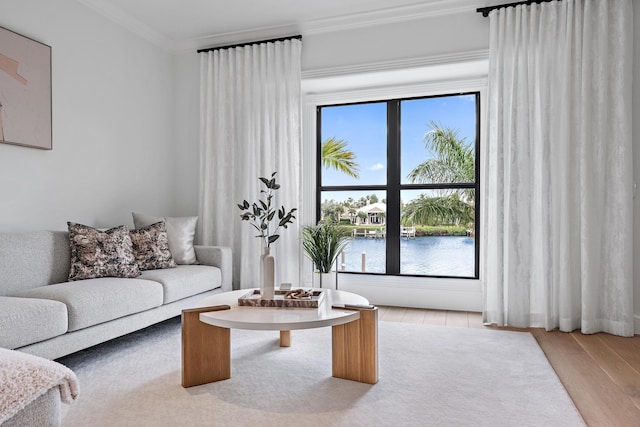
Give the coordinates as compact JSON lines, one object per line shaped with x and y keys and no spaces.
{"x":151,"y":247}
{"x":28,"y":320}
{"x":96,"y":253}
{"x":93,"y":301}
{"x":180,"y":230}
{"x":186,"y":280}
{"x":32,"y":259}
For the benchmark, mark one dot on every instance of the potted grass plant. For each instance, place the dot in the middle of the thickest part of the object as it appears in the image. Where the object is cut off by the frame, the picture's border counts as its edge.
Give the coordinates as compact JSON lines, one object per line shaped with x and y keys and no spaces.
{"x":322,"y":244}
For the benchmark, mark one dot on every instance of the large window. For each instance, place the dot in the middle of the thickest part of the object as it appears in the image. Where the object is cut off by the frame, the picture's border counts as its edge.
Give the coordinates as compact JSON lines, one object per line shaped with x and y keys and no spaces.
{"x":402,"y":175}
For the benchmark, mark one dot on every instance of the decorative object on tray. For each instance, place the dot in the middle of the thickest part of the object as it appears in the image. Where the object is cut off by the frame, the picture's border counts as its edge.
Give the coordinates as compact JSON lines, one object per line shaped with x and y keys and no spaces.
{"x":260,"y":215}
{"x":322,"y":244}
{"x":298,"y":294}
{"x":285,"y":299}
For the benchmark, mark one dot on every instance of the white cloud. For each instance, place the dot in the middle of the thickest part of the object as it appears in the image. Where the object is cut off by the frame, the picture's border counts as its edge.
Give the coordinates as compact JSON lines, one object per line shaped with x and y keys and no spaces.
{"x":377,"y":167}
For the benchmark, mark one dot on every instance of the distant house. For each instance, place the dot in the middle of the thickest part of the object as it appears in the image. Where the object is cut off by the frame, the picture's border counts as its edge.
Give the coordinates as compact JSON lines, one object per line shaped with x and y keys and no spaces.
{"x":376,"y":214}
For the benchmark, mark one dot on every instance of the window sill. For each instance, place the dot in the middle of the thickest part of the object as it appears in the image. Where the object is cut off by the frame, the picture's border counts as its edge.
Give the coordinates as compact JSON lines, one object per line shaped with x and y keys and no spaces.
{"x":417,"y":292}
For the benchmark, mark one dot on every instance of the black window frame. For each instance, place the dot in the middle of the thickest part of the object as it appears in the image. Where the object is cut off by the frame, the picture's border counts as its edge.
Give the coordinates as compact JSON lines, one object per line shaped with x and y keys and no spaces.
{"x":394,"y":184}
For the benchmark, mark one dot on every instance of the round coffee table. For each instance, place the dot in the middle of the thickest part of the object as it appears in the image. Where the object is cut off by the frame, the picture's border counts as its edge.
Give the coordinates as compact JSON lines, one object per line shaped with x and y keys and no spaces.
{"x":354,"y":333}
{"x":282,"y":319}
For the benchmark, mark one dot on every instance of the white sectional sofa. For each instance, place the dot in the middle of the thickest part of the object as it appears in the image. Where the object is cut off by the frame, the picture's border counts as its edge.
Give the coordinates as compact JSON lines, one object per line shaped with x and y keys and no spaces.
{"x":44,"y":314}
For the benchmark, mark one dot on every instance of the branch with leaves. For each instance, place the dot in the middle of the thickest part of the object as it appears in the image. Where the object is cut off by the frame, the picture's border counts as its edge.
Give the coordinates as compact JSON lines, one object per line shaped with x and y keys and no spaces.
{"x":261,"y":214}
{"x":336,"y":155}
{"x":453,"y":161}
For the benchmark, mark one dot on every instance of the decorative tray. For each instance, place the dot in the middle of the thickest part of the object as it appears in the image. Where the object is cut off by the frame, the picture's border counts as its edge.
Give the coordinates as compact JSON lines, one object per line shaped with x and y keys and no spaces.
{"x":252,"y":299}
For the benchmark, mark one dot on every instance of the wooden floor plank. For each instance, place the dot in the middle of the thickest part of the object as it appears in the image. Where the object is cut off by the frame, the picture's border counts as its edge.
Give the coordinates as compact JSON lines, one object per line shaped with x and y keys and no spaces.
{"x":414,"y":315}
{"x":627,"y":348}
{"x":457,"y":319}
{"x":475,"y":320}
{"x":435,"y":317}
{"x":621,"y":373}
{"x":599,"y":400}
{"x":394,"y":314}
{"x":382,"y":311}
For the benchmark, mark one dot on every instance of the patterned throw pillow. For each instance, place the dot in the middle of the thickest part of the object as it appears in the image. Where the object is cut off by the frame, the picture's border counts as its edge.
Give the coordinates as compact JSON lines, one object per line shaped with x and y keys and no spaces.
{"x":151,"y":247}
{"x":96,"y":253}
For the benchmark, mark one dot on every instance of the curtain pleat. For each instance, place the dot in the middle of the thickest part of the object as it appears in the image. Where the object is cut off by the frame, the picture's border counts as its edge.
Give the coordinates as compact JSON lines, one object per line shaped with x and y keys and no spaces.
{"x":558,"y":175}
{"x":250,"y":127}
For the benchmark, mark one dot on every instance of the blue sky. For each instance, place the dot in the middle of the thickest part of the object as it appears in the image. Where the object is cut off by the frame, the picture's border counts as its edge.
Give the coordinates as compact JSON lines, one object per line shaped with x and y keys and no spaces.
{"x":364,"y":127}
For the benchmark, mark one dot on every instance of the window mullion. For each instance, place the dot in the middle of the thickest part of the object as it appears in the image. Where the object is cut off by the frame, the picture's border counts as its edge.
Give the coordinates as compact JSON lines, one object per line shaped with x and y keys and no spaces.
{"x":393,"y":187}
{"x":477,"y":189}
{"x":318,"y":162}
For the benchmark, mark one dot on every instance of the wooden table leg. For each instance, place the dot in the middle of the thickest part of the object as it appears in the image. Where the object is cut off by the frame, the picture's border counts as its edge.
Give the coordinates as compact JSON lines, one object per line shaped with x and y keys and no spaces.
{"x":285,"y":338}
{"x":355,"y":348}
{"x":206,"y":349}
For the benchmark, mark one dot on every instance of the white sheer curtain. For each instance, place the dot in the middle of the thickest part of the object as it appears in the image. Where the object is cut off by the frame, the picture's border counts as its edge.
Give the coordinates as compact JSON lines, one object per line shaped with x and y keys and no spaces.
{"x":558,"y":171}
{"x":250,"y":127}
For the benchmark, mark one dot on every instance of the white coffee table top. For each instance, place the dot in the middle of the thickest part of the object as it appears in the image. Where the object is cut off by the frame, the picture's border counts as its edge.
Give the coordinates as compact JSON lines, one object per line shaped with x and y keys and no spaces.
{"x":284,"y":319}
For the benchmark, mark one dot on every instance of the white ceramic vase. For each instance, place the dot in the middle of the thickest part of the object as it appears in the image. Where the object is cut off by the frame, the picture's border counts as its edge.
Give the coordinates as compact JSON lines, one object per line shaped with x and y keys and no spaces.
{"x":324,"y":280}
{"x":267,"y":274}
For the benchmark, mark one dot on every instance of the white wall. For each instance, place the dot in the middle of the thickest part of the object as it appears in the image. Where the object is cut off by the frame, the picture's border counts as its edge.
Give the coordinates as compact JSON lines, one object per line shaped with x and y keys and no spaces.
{"x":438,"y":35}
{"x":449,"y":34}
{"x":113,"y":125}
{"x":401,"y":44}
{"x":326,"y":52}
{"x":435,"y":35}
{"x":187,"y":131}
{"x":125,"y":113}
{"x":322,"y":51}
{"x":636,"y":160}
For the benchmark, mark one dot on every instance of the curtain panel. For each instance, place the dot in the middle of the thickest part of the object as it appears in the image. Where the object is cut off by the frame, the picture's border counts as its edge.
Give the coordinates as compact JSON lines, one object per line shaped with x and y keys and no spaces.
{"x":250,"y":127}
{"x":558,"y":216}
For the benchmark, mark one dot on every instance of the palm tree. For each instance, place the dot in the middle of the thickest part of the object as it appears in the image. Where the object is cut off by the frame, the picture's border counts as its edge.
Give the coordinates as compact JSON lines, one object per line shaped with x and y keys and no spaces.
{"x":353,"y":214}
{"x":448,"y":210}
{"x":335,"y":155}
{"x":454,"y":159}
{"x":363,"y":217}
{"x":454,"y":162}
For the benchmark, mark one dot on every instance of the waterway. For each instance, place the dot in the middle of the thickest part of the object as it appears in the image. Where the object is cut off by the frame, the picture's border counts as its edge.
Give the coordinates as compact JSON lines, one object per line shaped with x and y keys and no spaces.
{"x":431,"y":255}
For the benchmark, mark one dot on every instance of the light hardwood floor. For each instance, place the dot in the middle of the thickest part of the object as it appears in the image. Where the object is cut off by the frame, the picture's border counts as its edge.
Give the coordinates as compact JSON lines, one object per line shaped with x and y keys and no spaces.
{"x":601,"y":372}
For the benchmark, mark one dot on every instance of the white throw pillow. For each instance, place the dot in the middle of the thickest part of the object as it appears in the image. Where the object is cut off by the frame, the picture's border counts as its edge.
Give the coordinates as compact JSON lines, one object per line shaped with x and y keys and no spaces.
{"x":180,"y":231}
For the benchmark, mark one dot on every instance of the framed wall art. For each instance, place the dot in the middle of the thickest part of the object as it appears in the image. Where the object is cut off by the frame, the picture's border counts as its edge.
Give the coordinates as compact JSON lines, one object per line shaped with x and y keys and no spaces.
{"x":25,"y":91}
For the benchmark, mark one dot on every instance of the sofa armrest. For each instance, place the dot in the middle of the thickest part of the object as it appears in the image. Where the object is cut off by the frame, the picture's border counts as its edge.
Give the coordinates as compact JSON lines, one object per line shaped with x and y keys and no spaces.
{"x":217,"y":256}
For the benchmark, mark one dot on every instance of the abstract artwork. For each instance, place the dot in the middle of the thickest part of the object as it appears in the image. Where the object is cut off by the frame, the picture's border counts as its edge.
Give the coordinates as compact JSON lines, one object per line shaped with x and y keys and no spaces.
{"x":25,"y":91}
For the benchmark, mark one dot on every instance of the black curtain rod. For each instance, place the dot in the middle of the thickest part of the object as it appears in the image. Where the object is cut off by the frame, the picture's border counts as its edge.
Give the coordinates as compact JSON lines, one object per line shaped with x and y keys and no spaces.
{"x":231,"y":46}
{"x":485,"y":10}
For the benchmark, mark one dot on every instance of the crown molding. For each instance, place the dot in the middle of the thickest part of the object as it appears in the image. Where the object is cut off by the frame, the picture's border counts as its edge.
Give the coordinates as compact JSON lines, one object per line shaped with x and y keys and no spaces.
{"x":389,"y":15}
{"x":233,"y":37}
{"x":130,"y":23}
{"x":426,"y":61}
{"x":378,"y":77}
{"x":341,"y":23}
{"x":397,"y":91}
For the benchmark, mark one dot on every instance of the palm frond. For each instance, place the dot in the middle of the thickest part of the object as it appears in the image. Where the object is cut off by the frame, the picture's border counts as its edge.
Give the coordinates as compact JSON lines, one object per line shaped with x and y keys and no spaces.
{"x":335,"y":155}
{"x":449,"y":209}
{"x":454,"y":159}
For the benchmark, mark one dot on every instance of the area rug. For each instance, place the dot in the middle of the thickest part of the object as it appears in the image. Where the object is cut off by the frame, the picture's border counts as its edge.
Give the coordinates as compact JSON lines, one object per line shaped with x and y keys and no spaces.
{"x":429,"y":376}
